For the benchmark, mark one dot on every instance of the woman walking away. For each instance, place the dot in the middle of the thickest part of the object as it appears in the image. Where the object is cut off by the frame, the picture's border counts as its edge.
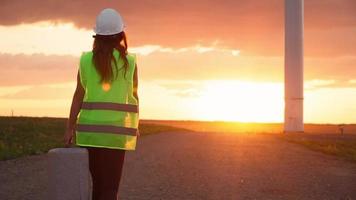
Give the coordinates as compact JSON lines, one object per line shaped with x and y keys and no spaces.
{"x":107,"y":103}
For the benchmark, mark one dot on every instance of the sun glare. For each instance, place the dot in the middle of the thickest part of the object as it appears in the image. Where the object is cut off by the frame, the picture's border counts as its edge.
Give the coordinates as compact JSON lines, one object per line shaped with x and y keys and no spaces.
{"x":240,"y":101}
{"x":106,"y":86}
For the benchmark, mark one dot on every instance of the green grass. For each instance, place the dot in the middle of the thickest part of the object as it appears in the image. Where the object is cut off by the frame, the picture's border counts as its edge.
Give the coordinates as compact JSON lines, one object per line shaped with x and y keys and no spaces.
{"x":337,"y":145}
{"x":21,"y":136}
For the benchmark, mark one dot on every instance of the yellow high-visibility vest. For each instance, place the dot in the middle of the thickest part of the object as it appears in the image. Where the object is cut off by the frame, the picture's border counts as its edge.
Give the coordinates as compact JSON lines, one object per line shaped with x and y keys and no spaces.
{"x":109,"y":114}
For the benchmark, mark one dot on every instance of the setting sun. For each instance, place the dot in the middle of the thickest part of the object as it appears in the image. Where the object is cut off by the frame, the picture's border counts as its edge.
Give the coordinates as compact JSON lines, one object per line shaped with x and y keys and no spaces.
{"x":240,"y":101}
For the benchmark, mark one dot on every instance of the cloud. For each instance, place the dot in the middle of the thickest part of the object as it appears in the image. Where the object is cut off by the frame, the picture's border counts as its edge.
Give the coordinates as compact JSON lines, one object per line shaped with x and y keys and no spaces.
{"x":45,"y":38}
{"x":173,"y":65}
{"x":149,"y":49}
{"x":332,"y":68}
{"x":252,"y":26}
{"x":190,"y":64}
{"x":352,"y":81}
{"x":315,"y":84}
{"x":39,"y":41}
{"x":182,"y":88}
{"x":36,"y":69}
{"x":318,"y":83}
{"x":168,"y":13}
{"x":41,"y":93}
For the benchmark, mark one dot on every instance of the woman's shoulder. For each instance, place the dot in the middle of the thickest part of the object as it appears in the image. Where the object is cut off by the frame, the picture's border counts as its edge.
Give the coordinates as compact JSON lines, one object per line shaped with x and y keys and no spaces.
{"x":86,"y":54}
{"x":131,"y":56}
{"x":86,"y":58}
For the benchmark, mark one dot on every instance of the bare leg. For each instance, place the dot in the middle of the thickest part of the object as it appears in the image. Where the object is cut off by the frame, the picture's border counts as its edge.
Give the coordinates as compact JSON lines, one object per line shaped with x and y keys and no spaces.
{"x":106,"y":169}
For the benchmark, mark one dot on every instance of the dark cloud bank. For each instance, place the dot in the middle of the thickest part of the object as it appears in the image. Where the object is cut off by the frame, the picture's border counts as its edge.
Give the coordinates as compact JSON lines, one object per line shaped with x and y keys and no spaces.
{"x":254,"y":26}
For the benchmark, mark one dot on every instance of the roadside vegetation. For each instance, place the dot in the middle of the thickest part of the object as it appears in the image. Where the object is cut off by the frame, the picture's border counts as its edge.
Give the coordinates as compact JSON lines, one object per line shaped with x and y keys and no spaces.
{"x":21,"y":136}
{"x":343,"y":146}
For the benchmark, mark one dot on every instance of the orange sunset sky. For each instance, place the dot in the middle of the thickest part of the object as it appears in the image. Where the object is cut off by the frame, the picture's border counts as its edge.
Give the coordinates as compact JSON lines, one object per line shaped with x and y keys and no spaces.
{"x":197,"y":60}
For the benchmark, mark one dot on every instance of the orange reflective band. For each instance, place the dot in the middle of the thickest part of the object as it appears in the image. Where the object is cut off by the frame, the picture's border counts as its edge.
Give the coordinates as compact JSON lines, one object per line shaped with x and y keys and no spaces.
{"x":106,"y":129}
{"x":110,"y":106}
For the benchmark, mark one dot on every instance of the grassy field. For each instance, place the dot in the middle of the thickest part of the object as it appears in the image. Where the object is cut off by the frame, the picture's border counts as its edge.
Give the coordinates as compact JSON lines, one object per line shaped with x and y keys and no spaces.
{"x":21,"y":136}
{"x":343,"y":146}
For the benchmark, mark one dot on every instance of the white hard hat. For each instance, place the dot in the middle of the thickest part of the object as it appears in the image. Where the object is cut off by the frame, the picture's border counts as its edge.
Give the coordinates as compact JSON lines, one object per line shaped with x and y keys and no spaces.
{"x":108,"y":22}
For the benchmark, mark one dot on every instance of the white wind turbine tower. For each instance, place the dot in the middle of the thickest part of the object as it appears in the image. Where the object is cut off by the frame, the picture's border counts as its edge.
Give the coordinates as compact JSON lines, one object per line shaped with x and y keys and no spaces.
{"x":293,"y":66}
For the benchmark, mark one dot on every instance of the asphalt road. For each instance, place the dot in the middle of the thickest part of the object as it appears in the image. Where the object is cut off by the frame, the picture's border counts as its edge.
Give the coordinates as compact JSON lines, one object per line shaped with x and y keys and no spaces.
{"x":207,"y":166}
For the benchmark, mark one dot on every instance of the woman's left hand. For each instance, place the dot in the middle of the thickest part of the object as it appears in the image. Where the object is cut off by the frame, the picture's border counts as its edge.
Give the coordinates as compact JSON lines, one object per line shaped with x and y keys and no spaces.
{"x":68,"y":137}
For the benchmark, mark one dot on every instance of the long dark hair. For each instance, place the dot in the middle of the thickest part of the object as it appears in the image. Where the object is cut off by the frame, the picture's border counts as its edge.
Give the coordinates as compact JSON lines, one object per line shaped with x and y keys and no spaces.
{"x":103,"y":47}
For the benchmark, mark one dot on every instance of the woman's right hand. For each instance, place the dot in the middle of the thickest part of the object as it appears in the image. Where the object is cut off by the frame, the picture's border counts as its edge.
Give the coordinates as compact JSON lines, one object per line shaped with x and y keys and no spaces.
{"x":68,"y":137}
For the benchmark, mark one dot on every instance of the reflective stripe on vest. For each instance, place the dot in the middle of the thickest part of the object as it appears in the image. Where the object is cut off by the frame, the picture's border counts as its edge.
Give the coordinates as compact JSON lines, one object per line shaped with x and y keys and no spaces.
{"x":110,"y":106}
{"x":106,"y":129}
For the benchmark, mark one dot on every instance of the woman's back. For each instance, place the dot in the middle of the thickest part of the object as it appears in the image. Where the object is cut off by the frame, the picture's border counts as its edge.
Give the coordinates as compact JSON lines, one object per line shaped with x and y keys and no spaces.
{"x":121,"y":88}
{"x":108,"y":107}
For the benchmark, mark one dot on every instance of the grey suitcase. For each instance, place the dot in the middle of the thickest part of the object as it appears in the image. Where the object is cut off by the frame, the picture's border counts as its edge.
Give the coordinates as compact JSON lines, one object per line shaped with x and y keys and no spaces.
{"x":68,"y":174}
